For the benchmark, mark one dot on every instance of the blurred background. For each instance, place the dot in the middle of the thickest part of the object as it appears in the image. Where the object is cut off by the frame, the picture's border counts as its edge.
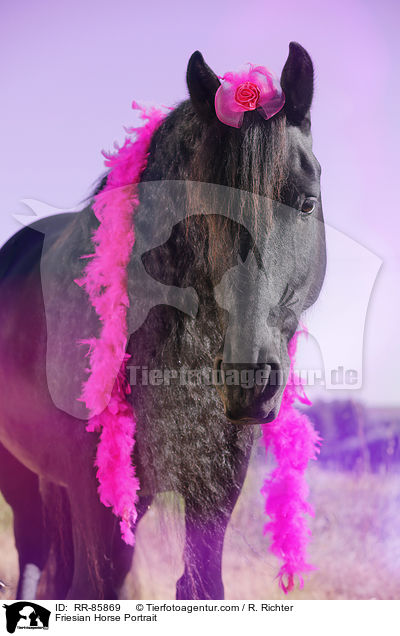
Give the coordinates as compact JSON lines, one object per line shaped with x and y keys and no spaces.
{"x":69,"y":73}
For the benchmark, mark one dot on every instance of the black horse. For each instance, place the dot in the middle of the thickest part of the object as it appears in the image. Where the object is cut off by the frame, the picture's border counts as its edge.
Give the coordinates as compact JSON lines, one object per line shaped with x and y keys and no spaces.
{"x":192,"y":438}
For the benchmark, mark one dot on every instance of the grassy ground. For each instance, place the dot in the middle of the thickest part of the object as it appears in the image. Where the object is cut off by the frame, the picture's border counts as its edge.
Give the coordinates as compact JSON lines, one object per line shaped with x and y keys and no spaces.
{"x":356,"y":542}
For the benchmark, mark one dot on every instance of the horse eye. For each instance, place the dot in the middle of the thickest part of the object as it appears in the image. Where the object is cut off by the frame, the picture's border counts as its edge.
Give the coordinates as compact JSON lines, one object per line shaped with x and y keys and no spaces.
{"x":308,"y":206}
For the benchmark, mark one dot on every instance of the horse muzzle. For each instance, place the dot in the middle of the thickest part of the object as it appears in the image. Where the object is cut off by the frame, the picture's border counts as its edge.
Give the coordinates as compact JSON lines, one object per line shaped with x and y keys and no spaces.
{"x":250,"y":393}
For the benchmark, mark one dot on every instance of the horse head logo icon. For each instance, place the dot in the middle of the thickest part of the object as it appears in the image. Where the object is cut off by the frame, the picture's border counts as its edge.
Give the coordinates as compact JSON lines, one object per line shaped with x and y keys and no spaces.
{"x":23,"y":614}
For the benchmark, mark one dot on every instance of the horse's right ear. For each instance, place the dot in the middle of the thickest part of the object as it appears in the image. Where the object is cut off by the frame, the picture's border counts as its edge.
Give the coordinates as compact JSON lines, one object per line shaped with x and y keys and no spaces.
{"x":202,"y":84}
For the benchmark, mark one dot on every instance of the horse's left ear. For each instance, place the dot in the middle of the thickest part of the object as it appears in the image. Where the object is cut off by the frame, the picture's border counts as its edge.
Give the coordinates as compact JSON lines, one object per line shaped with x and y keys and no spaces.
{"x":297,"y":81}
{"x":202,"y":84}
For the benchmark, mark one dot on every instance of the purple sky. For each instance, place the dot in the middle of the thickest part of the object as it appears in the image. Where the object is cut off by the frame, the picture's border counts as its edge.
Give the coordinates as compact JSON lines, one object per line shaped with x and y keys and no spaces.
{"x":69,"y":73}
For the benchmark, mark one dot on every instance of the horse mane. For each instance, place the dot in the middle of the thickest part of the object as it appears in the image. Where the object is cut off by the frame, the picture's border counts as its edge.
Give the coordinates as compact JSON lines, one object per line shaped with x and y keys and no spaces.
{"x":186,"y":148}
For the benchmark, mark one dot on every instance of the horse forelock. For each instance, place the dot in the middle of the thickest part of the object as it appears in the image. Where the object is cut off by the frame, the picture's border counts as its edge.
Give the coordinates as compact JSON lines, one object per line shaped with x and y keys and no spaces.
{"x":253,"y":160}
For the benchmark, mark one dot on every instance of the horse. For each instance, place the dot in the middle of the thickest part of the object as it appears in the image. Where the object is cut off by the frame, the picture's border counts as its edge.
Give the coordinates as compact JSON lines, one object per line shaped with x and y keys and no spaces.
{"x":192,"y":439}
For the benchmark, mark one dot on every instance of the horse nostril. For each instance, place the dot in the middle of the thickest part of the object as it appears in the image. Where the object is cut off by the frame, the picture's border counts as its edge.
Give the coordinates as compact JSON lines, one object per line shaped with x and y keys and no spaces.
{"x":274,"y":381}
{"x":264,"y":378}
{"x":246,"y":390}
{"x":218,"y":363}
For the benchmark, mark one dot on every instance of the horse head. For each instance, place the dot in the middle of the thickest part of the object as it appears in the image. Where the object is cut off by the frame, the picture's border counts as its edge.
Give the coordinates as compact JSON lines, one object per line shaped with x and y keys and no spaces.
{"x":268,"y":260}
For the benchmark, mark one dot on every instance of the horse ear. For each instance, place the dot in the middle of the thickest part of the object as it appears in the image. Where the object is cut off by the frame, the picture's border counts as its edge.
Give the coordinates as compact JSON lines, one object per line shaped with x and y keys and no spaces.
{"x":297,"y":81}
{"x":202,"y":84}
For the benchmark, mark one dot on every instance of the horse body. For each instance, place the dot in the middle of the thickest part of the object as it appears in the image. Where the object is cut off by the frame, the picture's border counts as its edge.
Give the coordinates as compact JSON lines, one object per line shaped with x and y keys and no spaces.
{"x":186,"y":441}
{"x":209,"y":491}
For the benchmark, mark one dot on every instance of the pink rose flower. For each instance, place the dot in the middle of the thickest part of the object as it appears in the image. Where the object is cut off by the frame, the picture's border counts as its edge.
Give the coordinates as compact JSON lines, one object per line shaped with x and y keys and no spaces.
{"x":247,"y":95}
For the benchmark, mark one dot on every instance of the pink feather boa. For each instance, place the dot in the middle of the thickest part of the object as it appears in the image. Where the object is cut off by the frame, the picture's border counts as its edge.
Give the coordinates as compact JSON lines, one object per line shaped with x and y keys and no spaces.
{"x":291,"y":435}
{"x":294,"y":442}
{"x":105,"y":281}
